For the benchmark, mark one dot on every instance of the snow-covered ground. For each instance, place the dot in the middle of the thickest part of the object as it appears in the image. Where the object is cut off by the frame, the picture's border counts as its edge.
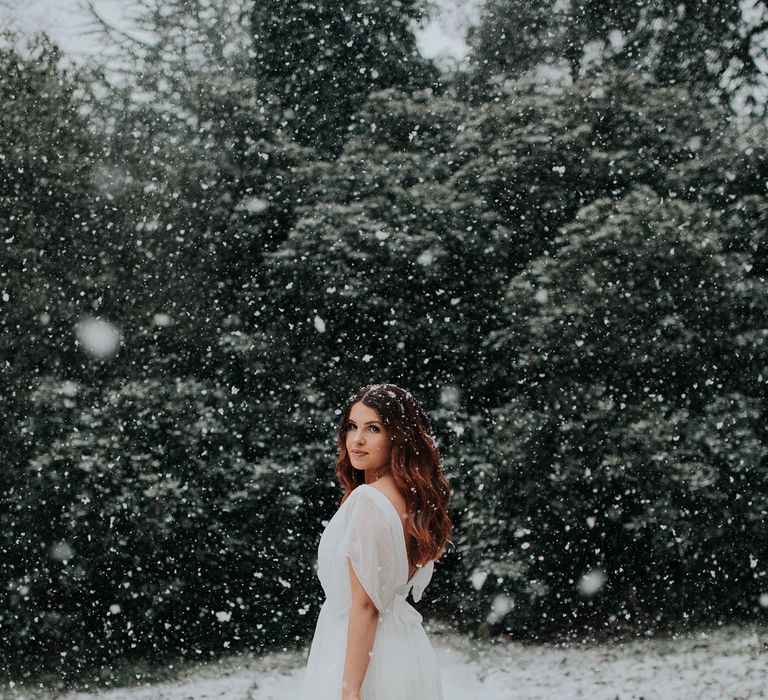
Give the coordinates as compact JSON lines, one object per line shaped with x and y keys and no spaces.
{"x":729,"y":663}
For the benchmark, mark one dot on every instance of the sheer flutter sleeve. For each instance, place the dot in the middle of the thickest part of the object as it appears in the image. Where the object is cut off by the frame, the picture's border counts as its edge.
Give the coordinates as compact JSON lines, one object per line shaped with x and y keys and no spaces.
{"x":368,"y":543}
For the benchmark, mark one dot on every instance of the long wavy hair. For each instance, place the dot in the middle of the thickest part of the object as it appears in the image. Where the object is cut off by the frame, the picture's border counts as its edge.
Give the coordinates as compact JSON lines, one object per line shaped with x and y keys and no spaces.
{"x":415,"y":464}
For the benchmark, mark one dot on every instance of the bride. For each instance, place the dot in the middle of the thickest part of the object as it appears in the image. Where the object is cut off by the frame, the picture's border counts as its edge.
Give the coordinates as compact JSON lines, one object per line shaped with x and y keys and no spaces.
{"x":381,"y":544}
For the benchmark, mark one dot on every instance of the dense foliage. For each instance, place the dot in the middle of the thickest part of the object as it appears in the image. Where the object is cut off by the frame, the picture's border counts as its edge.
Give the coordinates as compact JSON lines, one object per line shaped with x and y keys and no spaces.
{"x":713,"y":47}
{"x":572,"y":279}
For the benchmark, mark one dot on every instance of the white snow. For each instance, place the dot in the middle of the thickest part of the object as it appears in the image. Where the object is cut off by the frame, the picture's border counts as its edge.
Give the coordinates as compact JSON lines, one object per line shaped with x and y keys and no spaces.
{"x":728,"y":662}
{"x":426,"y":258}
{"x":478,"y":579}
{"x":98,"y":337}
{"x":61,"y":551}
{"x":253,"y":205}
{"x":592,"y":582}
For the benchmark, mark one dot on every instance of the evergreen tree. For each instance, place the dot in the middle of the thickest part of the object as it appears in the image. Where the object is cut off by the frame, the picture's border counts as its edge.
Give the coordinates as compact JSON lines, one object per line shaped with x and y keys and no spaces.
{"x":633,"y":416}
{"x":201,"y":176}
{"x":51,"y":231}
{"x":321,"y":59}
{"x":709,"y":46}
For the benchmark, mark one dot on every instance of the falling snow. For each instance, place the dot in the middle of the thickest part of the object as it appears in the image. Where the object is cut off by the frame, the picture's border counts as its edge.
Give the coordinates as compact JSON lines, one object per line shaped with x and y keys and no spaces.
{"x":547,"y":220}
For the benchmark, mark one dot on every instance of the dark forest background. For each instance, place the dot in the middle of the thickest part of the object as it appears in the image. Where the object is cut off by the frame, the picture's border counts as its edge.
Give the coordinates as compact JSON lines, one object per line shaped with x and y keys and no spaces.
{"x":273,"y":204}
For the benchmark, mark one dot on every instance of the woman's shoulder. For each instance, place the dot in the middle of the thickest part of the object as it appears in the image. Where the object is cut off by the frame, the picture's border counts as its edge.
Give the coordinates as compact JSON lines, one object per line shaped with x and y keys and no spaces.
{"x":377,"y":493}
{"x":367,"y":492}
{"x":366,"y":504}
{"x":394,"y":499}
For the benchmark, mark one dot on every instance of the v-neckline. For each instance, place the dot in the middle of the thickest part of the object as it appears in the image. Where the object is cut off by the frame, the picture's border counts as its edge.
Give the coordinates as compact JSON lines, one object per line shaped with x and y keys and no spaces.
{"x":402,"y":532}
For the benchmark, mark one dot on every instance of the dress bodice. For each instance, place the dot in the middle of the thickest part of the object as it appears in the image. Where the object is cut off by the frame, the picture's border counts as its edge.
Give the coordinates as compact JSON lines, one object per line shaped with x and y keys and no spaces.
{"x":368,"y":530}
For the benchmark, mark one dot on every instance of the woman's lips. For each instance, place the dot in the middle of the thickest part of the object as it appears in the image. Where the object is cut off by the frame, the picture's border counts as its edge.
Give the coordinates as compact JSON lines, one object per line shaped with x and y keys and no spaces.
{"x":358,"y":454}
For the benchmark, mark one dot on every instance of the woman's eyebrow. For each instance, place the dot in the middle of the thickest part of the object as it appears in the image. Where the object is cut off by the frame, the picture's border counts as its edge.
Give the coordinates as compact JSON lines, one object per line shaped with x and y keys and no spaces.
{"x":368,"y":423}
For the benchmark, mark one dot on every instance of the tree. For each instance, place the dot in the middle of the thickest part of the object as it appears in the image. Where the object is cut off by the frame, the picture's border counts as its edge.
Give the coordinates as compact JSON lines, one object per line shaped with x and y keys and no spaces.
{"x":320,"y":60}
{"x":709,"y":46}
{"x":627,"y":352}
{"x":51,"y":233}
{"x":138,"y":527}
{"x":201,"y":176}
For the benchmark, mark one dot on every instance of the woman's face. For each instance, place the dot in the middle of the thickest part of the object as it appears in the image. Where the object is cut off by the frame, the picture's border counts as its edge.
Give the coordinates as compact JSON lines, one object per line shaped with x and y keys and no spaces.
{"x":368,"y":444}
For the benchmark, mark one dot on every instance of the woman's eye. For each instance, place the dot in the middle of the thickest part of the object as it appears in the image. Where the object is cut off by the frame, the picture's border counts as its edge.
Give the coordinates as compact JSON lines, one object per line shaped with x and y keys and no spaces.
{"x":375,"y":429}
{"x":351,"y":426}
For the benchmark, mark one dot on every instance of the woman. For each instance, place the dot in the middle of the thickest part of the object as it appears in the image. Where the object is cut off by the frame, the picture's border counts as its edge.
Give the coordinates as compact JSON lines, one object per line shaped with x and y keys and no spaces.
{"x":381,"y":543}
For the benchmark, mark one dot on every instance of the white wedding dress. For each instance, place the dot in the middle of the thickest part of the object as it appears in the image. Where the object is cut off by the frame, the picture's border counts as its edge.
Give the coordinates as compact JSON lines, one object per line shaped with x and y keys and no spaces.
{"x":368,"y":529}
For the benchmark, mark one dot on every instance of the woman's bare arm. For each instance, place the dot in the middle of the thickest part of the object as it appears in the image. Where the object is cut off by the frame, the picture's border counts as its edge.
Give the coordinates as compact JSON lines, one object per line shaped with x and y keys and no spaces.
{"x":361,"y":631}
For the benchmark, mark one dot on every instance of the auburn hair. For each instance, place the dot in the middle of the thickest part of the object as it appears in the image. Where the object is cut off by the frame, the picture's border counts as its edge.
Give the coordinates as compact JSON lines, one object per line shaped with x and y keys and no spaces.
{"x":415,"y":465}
